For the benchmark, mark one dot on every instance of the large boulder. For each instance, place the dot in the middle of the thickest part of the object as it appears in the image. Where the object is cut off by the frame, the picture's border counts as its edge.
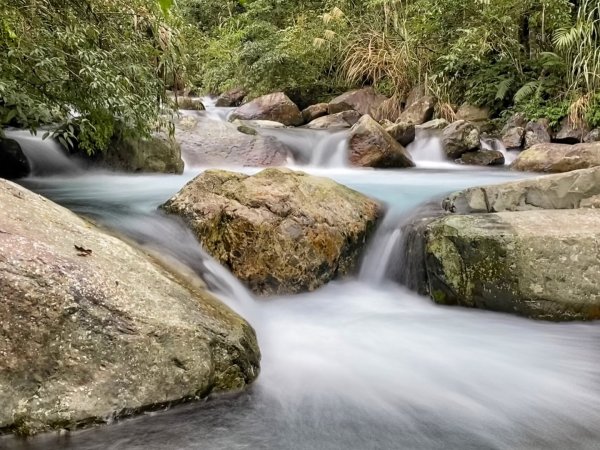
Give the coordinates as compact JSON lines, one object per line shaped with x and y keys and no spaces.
{"x":482,"y":158}
{"x":315,"y":111}
{"x":280,"y":231}
{"x":537,"y":132}
{"x":372,"y":146}
{"x":556,"y":158}
{"x":232,"y":98}
{"x":419,"y":112}
{"x":541,"y":264}
{"x":13,"y":163}
{"x":528,"y":247}
{"x":209,"y":143}
{"x":344,"y":119}
{"x":403,"y":132}
{"x":577,"y":189}
{"x":93,"y":329}
{"x":365,"y":101}
{"x":158,"y":153}
{"x":460,"y":137}
{"x":570,"y":133}
{"x":276,"y":107}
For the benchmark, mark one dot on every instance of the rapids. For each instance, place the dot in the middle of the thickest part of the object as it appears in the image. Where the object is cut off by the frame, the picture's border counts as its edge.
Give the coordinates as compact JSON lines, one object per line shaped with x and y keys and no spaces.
{"x":362,"y":363}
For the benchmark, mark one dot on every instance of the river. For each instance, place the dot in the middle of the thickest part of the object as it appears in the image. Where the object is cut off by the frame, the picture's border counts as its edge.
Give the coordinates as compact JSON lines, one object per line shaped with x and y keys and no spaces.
{"x":362,"y":363}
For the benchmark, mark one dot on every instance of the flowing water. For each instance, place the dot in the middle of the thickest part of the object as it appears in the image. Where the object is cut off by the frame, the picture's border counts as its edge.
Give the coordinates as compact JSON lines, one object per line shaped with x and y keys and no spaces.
{"x":362,"y":363}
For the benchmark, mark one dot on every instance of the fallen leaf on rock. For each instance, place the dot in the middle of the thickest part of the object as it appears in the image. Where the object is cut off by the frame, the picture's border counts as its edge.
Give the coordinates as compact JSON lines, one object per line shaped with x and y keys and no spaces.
{"x":81,"y":251}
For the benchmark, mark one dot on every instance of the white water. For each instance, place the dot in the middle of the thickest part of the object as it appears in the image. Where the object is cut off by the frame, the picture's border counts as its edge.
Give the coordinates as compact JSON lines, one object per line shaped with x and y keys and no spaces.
{"x":45,"y":156}
{"x":362,"y":363}
{"x":359,"y":364}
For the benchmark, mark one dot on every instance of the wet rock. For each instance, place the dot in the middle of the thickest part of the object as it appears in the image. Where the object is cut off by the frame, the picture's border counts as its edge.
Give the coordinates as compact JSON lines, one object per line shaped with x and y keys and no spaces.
{"x":232,"y":98}
{"x":276,"y":107}
{"x":537,"y":132}
{"x":190,"y":104}
{"x":365,"y":101}
{"x":592,"y":136}
{"x":279,"y":231}
{"x":570,"y":133}
{"x":344,"y":119}
{"x":372,"y":146}
{"x":513,"y":138}
{"x":419,"y":112}
{"x":208,"y":143}
{"x":532,"y":263}
{"x":402,"y":132}
{"x":159,"y":154}
{"x":13,"y":163}
{"x":570,"y":190}
{"x":436,"y":124}
{"x":315,"y":111}
{"x":482,"y":158}
{"x":93,"y":328}
{"x":460,"y":137}
{"x":556,"y":158}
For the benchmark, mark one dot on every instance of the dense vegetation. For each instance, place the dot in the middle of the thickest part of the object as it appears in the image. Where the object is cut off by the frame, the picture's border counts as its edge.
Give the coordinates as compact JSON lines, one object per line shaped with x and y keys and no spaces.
{"x":102,"y":66}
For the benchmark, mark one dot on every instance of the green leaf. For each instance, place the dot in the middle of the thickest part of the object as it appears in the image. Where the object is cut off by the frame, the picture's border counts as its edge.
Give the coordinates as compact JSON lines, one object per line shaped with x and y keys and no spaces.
{"x":166,"y":6}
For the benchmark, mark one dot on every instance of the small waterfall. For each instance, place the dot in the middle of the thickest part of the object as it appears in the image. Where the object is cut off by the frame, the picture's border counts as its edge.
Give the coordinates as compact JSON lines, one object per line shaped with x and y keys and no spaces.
{"x":314,"y":148}
{"x":496,"y":144}
{"x":398,"y":249}
{"x":45,"y":156}
{"x":427,"y":151}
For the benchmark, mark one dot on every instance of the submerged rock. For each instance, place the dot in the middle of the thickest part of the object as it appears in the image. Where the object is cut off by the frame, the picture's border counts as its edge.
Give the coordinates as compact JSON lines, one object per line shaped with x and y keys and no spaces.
{"x":280,"y":231}
{"x":13,"y":163}
{"x":276,"y":107}
{"x":460,"y":137}
{"x":556,"y":158}
{"x":344,"y":119}
{"x":155,"y":154}
{"x":372,"y":146}
{"x":93,"y":328}
{"x":365,"y":101}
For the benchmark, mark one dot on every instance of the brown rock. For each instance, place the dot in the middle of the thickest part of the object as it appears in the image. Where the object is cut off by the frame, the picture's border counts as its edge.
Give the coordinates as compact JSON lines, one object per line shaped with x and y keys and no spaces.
{"x":482,"y":158}
{"x":344,"y":119}
{"x":276,"y":107}
{"x":372,"y":146}
{"x":365,"y":101}
{"x":537,"y":132}
{"x":315,"y":111}
{"x":557,"y":158}
{"x":460,"y":137}
{"x":94,"y":329}
{"x":279,"y":231}
{"x":232,"y":98}
{"x":403,"y":132}
{"x":419,"y":112}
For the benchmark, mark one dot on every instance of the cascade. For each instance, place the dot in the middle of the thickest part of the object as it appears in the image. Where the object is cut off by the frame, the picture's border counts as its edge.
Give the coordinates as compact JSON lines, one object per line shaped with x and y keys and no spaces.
{"x":45,"y":156}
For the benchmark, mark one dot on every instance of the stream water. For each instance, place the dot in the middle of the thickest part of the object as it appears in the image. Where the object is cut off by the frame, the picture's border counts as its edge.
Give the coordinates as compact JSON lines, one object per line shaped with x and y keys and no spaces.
{"x":362,"y":363}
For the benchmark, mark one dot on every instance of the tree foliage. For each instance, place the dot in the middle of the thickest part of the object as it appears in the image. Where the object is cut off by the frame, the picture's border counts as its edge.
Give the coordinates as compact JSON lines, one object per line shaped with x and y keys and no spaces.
{"x":92,"y":66}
